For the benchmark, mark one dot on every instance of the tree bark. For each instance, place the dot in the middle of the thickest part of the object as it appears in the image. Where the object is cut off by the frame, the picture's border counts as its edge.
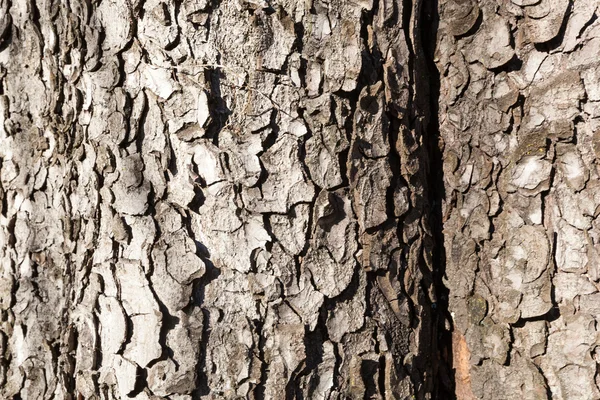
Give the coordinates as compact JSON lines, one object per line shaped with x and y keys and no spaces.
{"x":217,"y":198}
{"x":518,"y":116}
{"x":279,"y":199}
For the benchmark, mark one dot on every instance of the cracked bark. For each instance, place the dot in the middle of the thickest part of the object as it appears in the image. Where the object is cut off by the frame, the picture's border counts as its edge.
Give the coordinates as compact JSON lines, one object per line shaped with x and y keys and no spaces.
{"x":259,"y":199}
{"x":215,"y":198}
{"x":518,"y":121}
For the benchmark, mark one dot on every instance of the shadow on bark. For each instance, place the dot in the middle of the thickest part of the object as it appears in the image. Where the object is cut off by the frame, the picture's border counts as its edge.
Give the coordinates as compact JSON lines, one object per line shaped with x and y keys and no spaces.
{"x":200,"y":285}
{"x":444,"y":375}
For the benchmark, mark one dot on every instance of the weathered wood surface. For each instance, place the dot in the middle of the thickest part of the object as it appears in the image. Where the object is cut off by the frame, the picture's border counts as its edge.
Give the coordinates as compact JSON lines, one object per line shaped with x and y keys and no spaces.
{"x":518,"y":116}
{"x":226,"y":199}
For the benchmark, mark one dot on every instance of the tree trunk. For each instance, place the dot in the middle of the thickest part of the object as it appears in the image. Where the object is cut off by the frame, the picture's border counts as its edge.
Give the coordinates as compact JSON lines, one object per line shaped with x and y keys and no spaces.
{"x":518,"y":115}
{"x":283,"y":199}
{"x":216,"y":198}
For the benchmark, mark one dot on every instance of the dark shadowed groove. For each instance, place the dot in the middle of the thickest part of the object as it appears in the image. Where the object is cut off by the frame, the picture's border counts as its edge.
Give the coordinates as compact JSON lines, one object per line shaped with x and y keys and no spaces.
{"x":6,"y":36}
{"x":259,"y":390}
{"x":219,"y":111}
{"x":197,"y":300}
{"x":141,"y":382}
{"x":443,"y":379}
{"x":556,"y":41}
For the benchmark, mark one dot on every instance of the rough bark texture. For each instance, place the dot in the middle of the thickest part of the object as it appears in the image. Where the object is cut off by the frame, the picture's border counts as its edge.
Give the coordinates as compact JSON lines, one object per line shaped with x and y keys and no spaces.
{"x":245,"y":199}
{"x":518,"y":114}
{"x":225,"y":199}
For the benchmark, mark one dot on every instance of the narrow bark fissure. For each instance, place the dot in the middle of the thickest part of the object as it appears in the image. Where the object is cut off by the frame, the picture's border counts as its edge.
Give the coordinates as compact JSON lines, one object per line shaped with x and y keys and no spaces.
{"x":259,"y":389}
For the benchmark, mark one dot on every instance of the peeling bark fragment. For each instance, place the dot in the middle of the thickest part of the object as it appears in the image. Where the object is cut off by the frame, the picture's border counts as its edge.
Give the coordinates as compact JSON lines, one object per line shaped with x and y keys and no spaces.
{"x":143,"y":233}
{"x":544,"y":19}
{"x":307,"y":302}
{"x":331,"y":258}
{"x":396,"y":80}
{"x":291,"y":230}
{"x":582,"y":14}
{"x":532,"y":173}
{"x":555,"y":101}
{"x":322,"y":157}
{"x":342,"y":66}
{"x":286,"y":183}
{"x":371,"y":124}
{"x":462,"y":264}
{"x":86,"y":352}
{"x":116,"y":21}
{"x":142,"y":310}
{"x":492,"y":44}
{"x":572,"y":368}
{"x":326,"y":272}
{"x":571,"y":249}
{"x":285,"y":352}
{"x":532,"y":338}
{"x":461,"y":15}
{"x":182,"y":262}
{"x":170,"y":292}
{"x":126,"y":375}
{"x":345,"y":318}
{"x":521,"y":380}
{"x":178,"y":376}
{"x":131,"y":200}
{"x":578,"y":209}
{"x":571,"y":166}
{"x":322,"y":381}
{"x":113,"y":325}
{"x":5,"y":20}
{"x":505,"y":92}
{"x":207,"y":158}
{"x":591,"y":83}
{"x":156,"y":27}
{"x":217,"y":225}
{"x":488,"y":341}
{"x":279,"y":27}
{"x":524,"y":271}
{"x":370,"y":180}
{"x":241,"y":159}
{"x":528,"y":208}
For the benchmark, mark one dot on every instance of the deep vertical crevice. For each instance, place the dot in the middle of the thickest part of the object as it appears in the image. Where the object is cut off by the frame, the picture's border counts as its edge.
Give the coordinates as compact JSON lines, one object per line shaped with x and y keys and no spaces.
{"x":442,"y":359}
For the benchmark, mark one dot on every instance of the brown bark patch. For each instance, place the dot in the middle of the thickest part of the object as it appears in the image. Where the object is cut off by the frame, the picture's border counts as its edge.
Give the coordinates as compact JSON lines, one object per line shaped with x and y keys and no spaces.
{"x":462,"y":367}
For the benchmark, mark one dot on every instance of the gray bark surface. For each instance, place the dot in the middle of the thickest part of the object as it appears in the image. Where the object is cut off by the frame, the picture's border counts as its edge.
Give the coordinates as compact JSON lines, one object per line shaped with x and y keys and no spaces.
{"x":518,"y":118}
{"x":299,"y":199}
{"x":221,"y":199}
